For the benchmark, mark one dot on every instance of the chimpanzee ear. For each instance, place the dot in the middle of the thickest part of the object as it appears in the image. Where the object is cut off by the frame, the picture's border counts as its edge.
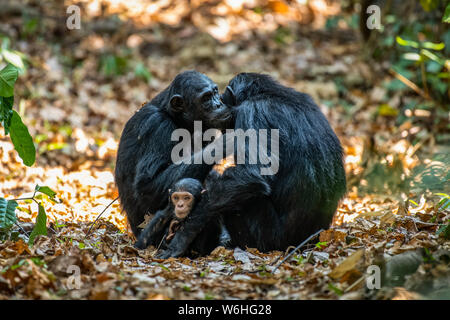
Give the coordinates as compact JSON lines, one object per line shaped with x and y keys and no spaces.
{"x":177,"y":103}
{"x":229,"y":98}
{"x":203,"y":191}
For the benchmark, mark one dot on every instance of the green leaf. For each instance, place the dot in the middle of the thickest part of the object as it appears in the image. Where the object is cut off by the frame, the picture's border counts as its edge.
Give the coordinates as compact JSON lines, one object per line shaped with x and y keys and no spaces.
{"x":336,"y":290}
{"x":7,"y":213}
{"x":446,"y":17}
{"x":321,"y":244}
{"x":22,"y":140}
{"x":432,"y":56}
{"x":142,"y":72}
{"x":406,"y":43}
{"x":444,"y":231}
{"x":434,"y":46}
{"x":46,"y":190}
{"x":385,"y":110}
{"x":8,"y":76}
{"x":6,"y":112}
{"x":429,"y":5}
{"x":40,"y":228}
{"x":14,"y":58}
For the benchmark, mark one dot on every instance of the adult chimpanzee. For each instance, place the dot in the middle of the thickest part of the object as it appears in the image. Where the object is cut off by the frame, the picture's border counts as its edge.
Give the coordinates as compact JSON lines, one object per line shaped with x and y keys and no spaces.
{"x":310,"y":179}
{"x":144,"y":169}
{"x":275,"y":211}
{"x":185,"y":212}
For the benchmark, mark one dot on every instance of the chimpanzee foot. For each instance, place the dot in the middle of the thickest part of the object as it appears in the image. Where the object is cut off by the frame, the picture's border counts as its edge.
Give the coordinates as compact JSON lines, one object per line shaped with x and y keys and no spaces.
{"x":168,"y":253}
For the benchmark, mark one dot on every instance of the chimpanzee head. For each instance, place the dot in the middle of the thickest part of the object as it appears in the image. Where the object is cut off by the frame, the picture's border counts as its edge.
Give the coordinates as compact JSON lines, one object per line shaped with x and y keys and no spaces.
{"x":184,"y":195}
{"x":246,"y":85}
{"x":194,"y":96}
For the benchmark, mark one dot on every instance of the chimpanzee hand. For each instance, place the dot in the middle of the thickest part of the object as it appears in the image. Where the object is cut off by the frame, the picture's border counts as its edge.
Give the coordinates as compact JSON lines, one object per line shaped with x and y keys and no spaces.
{"x":178,"y":246}
{"x":154,"y":230}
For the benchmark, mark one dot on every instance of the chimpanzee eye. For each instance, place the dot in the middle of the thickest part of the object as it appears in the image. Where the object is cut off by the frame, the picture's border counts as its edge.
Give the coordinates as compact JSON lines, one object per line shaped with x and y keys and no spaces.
{"x":186,"y":198}
{"x":176,"y":198}
{"x":206,"y":97}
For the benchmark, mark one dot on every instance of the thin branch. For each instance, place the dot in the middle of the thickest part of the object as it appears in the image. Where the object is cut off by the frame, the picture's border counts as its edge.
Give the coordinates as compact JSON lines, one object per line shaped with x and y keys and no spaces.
{"x":98,"y":217}
{"x":297,"y":248}
{"x":26,"y":233}
{"x":410,"y":84}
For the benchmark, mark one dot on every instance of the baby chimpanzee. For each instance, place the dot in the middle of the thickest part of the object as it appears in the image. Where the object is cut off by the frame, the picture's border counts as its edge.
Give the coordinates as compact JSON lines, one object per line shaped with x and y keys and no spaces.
{"x":187,"y":199}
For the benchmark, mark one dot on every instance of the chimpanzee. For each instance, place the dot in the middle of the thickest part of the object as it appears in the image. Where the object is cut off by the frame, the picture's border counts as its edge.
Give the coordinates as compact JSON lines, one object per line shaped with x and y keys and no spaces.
{"x":310,"y":180}
{"x":187,"y":200}
{"x":274,"y":211}
{"x":144,"y":169}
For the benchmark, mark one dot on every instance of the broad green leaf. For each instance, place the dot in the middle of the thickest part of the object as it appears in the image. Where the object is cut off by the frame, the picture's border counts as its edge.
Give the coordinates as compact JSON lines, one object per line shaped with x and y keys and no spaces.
{"x":7,"y":213}
{"x":22,"y":140}
{"x":46,"y":190}
{"x":8,"y":76}
{"x":40,"y":228}
{"x":446,"y":17}
{"x":6,"y":112}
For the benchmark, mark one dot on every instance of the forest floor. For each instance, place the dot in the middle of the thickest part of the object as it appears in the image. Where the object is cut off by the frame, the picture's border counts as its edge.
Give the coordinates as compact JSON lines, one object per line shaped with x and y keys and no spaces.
{"x":79,"y":89}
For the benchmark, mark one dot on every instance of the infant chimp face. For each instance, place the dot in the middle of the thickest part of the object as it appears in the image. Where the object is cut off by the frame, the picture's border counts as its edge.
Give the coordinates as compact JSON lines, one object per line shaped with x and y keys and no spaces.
{"x":183,"y":202}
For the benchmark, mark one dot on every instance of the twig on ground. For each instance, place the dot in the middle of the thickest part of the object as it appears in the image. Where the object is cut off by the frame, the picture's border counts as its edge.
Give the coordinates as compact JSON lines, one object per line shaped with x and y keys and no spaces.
{"x":98,"y":217}
{"x":297,"y":248}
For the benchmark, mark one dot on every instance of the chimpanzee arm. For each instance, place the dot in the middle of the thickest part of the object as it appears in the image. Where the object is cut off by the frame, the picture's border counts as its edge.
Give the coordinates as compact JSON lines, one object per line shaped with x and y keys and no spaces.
{"x":156,"y":173}
{"x":235,"y":188}
{"x":154,"y":230}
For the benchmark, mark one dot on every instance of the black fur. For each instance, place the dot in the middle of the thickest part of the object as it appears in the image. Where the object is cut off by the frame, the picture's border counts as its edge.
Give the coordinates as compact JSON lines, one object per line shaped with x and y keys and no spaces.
{"x":276,"y":211}
{"x":144,"y":170}
{"x":195,"y":237}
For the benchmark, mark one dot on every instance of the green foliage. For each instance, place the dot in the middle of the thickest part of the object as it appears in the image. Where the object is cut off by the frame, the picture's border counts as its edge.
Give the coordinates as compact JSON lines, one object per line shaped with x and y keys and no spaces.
{"x":321,"y":245}
{"x":22,"y":140}
{"x":429,"y":64}
{"x":335,"y":289}
{"x":444,"y":202}
{"x":6,"y":112}
{"x":429,"y":5}
{"x":446,"y":17}
{"x":444,"y":231}
{"x":10,"y":119}
{"x":13,"y":57}
{"x":113,"y":65}
{"x":46,"y":190}
{"x":141,"y":71}
{"x":417,"y":44}
{"x":40,"y":227}
{"x":8,"y":77}
{"x":7,"y":214}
